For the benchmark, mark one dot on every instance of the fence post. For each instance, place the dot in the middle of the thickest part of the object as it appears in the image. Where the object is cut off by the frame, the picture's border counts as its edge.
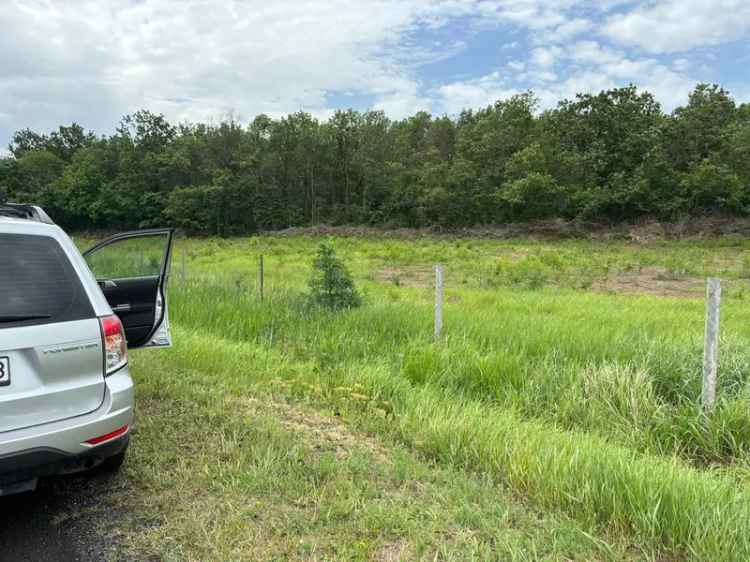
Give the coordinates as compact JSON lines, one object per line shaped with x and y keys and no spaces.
{"x":182,"y":266}
{"x":438,"y":300}
{"x":711,"y":344}
{"x":260,"y":277}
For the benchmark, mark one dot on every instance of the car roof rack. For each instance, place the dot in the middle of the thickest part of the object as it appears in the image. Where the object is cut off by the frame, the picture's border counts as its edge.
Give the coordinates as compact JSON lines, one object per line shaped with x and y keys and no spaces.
{"x":28,"y":212}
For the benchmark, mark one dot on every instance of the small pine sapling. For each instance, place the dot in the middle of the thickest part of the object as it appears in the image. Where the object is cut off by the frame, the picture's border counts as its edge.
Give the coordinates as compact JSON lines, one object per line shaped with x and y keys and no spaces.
{"x":331,"y":284}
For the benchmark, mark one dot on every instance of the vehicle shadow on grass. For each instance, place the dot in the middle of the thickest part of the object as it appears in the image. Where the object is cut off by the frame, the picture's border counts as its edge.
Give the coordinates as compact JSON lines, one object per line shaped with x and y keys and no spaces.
{"x":61,"y":521}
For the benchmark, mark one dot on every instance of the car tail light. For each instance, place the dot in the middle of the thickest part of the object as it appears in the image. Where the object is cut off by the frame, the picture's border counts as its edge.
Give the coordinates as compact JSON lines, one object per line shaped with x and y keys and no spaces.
{"x":108,"y":436}
{"x":115,"y":346}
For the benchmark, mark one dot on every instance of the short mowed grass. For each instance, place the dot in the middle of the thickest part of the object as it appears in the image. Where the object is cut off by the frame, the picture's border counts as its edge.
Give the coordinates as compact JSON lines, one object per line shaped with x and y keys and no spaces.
{"x":556,"y":418}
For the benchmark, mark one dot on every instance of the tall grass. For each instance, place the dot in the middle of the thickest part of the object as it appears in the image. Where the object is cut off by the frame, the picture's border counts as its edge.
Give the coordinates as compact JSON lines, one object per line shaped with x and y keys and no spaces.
{"x":585,"y":402}
{"x":582,"y":361}
{"x":661,"y":502}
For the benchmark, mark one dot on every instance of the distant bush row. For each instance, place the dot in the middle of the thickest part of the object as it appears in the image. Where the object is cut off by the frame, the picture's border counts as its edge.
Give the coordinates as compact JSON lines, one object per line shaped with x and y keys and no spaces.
{"x":613,"y":156}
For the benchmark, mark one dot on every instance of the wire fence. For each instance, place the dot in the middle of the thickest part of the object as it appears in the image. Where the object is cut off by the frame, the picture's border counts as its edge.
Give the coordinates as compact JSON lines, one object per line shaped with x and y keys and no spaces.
{"x":711,"y":335}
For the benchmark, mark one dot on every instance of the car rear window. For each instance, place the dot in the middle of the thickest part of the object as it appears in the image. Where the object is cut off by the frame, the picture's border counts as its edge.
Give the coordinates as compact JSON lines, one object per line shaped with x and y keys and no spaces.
{"x":37,"y":278}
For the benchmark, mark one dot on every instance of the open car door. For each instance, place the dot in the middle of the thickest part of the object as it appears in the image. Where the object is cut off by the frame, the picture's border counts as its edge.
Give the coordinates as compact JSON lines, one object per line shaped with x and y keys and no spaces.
{"x":132,"y":269}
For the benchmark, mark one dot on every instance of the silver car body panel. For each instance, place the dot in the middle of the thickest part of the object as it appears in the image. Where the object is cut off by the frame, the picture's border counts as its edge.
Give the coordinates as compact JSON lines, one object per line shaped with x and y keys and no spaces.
{"x":56,"y":373}
{"x":70,"y":435}
{"x":163,"y":335}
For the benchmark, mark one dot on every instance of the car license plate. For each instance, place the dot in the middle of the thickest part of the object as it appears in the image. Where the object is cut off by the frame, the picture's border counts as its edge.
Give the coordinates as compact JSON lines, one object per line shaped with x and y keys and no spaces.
{"x":4,"y":371}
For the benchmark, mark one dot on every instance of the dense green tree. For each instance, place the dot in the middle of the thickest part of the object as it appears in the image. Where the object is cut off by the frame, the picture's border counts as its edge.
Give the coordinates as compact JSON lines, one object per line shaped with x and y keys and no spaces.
{"x":530,"y":191}
{"x":26,"y":140}
{"x":606,"y":137}
{"x":712,"y":187}
{"x":696,"y":130}
{"x":488,"y":139}
{"x":609,"y":156}
{"x":63,"y":143}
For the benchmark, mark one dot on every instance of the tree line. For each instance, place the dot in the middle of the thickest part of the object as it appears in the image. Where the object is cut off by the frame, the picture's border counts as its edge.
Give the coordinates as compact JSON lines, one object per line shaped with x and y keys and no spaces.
{"x":612,"y":156}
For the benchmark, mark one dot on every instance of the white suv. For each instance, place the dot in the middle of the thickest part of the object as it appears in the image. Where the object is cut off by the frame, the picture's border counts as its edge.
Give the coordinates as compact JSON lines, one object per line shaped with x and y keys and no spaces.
{"x":66,"y":322}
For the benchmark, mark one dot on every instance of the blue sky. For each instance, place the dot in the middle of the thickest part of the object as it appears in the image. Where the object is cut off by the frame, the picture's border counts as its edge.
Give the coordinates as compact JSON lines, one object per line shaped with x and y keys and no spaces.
{"x":92,"y":61}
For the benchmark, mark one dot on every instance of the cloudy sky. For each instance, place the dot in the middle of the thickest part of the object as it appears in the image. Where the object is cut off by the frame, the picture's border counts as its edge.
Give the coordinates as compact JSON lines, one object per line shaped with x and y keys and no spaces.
{"x":94,"y":61}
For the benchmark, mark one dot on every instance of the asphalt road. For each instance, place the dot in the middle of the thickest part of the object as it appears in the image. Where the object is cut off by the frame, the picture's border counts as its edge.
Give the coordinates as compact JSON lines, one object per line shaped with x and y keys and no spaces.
{"x":59,"y":522}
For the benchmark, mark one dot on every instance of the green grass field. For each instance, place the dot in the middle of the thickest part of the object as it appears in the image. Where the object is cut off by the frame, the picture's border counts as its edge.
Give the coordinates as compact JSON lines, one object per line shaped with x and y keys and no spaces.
{"x":557,"y":418}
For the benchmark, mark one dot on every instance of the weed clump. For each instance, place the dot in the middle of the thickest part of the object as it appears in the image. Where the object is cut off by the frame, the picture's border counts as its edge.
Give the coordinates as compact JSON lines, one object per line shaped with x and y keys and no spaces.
{"x":331,"y":284}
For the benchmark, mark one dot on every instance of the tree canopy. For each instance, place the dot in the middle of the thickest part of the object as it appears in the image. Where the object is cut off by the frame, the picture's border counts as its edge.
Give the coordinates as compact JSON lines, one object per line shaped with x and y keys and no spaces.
{"x":612,"y":156}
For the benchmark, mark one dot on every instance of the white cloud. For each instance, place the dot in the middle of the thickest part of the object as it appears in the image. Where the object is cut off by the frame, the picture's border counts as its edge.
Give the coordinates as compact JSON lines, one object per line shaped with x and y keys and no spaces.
{"x":591,"y":52}
{"x":669,"y":87}
{"x":605,"y":67}
{"x":533,"y":14}
{"x":92,"y":62}
{"x":195,"y":60}
{"x":403,"y":102}
{"x":545,"y":76}
{"x":486,"y":90}
{"x":681,"y":65}
{"x":585,"y":67}
{"x":568,"y":30}
{"x":480,"y":92}
{"x":680,"y":25}
{"x":545,"y":56}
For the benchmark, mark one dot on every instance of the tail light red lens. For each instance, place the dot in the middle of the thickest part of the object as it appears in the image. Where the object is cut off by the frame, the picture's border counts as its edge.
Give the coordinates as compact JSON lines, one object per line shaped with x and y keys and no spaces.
{"x":108,"y":436}
{"x":115,"y":346}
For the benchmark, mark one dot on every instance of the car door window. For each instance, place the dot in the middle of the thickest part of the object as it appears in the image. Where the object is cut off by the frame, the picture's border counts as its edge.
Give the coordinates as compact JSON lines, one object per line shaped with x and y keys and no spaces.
{"x":139,"y":256}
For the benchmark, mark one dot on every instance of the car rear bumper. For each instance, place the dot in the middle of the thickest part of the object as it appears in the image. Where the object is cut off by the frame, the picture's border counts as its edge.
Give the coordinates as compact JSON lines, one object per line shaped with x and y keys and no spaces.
{"x":61,"y":446}
{"x":39,"y":463}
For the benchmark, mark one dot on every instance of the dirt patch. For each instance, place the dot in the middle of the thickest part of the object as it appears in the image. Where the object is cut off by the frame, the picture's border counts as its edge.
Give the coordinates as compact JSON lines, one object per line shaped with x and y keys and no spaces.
{"x":356,"y":231}
{"x":657,"y":281}
{"x":393,"y":552}
{"x":406,"y":276}
{"x":640,"y":232}
{"x":325,"y":433}
{"x":552,"y":229}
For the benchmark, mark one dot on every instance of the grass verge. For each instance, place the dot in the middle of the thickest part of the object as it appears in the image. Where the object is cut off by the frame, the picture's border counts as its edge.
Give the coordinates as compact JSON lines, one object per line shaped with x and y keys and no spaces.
{"x":661,"y":504}
{"x":223,"y":470}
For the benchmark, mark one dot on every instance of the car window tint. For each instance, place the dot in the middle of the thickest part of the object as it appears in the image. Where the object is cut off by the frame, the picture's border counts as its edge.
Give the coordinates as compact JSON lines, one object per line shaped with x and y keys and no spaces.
{"x":130,"y":257}
{"x":37,"y":278}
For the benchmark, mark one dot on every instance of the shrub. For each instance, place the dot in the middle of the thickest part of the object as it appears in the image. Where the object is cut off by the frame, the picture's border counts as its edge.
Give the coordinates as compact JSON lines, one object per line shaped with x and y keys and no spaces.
{"x":331,"y":284}
{"x":536,"y":195}
{"x":709,"y":186}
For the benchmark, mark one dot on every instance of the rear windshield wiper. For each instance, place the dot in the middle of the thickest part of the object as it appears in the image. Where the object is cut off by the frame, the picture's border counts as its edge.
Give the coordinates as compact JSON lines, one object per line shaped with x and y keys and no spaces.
{"x":22,"y":317}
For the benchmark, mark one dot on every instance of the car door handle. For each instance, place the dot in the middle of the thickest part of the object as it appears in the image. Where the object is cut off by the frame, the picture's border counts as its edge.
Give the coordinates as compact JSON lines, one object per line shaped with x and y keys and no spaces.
{"x":121,"y":308}
{"x":107,"y":284}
